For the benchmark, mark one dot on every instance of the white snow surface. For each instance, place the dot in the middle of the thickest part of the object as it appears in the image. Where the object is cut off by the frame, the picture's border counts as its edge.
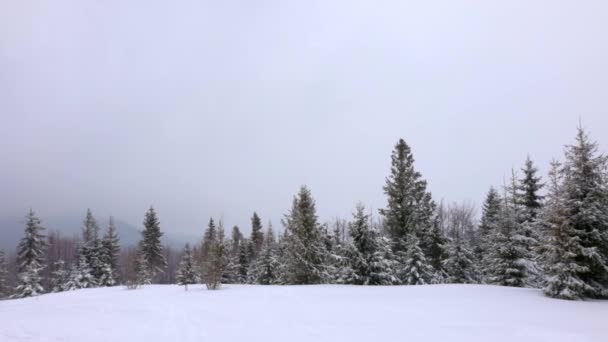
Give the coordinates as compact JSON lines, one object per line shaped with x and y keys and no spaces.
{"x":303,"y":313}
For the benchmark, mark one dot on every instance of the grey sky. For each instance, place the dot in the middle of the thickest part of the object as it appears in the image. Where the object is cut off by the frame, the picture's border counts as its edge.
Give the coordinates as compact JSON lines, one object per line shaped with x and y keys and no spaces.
{"x":224,"y":107}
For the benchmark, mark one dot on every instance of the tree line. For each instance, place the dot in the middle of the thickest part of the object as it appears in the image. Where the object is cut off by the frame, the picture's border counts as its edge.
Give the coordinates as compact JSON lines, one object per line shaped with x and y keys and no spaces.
{"x":549,"y":234}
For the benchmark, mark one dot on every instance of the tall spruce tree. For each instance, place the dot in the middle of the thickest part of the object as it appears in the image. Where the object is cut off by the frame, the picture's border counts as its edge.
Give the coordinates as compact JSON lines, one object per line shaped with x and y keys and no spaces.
{"x":186,"y":273}
{"x":4,"y":288}
{"x":30,"y":258}
{"x":508,"y":262}
{"x":257,"y":235}
{"x":150,"y":245}
{"x":579,"y":229}
{"x":217,"y":260}
{"x":305,"y":251}
{"x":490,"y":218}
{"x":410,"y":208}
{"x":110,"y":253}
{"x":91,"y":246}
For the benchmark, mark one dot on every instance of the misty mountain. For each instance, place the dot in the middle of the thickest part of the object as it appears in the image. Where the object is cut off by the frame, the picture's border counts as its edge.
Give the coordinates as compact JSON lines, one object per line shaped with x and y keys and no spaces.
{"x":11,"y":231}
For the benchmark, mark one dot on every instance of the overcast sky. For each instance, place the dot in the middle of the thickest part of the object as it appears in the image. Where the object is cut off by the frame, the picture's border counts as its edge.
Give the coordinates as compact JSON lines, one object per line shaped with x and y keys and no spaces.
{"x":220,"y":108}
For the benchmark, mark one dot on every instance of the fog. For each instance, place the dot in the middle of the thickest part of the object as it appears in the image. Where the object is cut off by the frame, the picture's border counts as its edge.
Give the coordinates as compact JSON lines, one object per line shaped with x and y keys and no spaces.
{"x":220,"y":108}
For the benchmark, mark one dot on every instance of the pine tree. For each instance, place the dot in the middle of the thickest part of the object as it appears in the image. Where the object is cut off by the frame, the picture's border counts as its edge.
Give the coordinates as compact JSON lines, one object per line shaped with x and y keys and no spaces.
{"x":460,"y":265}
{"x":257,"y":236}
{"x":530,"y":185}
{"x":186,"y":273}
{"x":208,"y":238}
{"x":489,"y":224}
{"x":30,"y":258}
{"x":236,"y":239}
{"x":415,"y":268}
{"x":150,"y":246}
{"x":586,"y":191}
{"x":91,"y":247}
{"x":243,"y":262}
{"x":214,"y":267}
{"x":305,"y":251}
{"x":60,"y":276}
{"x":508,"y":262}
{"x":265,"y":270}
{"x":110,"y":253}
{"x":410,"y":207}
{"x":4,"y":288}
{"x":143,"y":274}
{"x":577,"y":224}
{"x":81,"y":275}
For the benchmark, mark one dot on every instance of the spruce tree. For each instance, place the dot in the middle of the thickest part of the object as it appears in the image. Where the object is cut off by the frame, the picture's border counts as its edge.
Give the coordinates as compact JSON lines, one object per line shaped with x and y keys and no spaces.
{"x":508,"y":262}
{"x":60,"y":276}
{"x":410,"y":208}
{"x":91,"y":246}
{"x":30,"y":258}
{"x":257,"y":235}
{"x":265,"y":270}
{"x":186,"y":273}
{"x":110,"y":253}
{"x":208,"y":238}
{"x":490,"y":217}
{"x":562,"y":245}
{"x":236,"y":239}
{"x":243,"y":262}
{"x":530,"y":185}
{"x":415,"y":269}
{"x":81,"y":275}
{"x":577,"y":221}
{"x":305,"y":251}
{"x":150,"y":246}
{"x":460,"y":265}
{"x":4,"y":288}
{"x":214,"y":267}
{"x":143,"y":274}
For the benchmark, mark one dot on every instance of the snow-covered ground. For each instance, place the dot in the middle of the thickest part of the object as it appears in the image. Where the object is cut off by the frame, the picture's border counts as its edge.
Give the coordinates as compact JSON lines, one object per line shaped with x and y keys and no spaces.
{"x":303,"y":313}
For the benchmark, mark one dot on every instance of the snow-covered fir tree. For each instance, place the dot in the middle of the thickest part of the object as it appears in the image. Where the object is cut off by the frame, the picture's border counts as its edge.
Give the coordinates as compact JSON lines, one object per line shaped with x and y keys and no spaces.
{"x":305,"y":252}
{"x":150,"y":246}
{"x":143,"y":274}
{"x":91,"y":246}
{"x":243,"y":261}
{"x":110,"y":253}
{"x":30,"y":258}
{"x":257,"y":235}
{"x":265,"y":269}
{"x":81,"y":275}
{"x":60,"y":276}
{"x":366,"y":258}
{"x":577,"y":221}
{"x":530,"y":186}
{"x":508,"y":262}
{"x":460,"y":265}
{"x":410,"y":207}
{"x":490,"y":218}
{"x":4,"y":288}
{"x":209,"y":236}
{"x":414,"y":268}
{"x":217,"y":259}
{"x":186,"y":273}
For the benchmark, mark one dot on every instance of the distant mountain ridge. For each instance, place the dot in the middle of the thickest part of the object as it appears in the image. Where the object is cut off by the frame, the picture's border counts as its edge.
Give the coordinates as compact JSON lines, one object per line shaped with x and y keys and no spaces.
{"x":11,"y":231}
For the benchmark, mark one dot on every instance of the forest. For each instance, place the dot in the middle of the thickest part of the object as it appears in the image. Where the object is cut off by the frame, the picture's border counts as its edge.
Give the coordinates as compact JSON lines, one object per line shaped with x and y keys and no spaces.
{"x":538,"y":231}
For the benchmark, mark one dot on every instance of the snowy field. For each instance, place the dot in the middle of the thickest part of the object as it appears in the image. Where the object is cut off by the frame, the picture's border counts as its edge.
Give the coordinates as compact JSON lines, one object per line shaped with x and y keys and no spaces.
{"x":303,"y":313}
